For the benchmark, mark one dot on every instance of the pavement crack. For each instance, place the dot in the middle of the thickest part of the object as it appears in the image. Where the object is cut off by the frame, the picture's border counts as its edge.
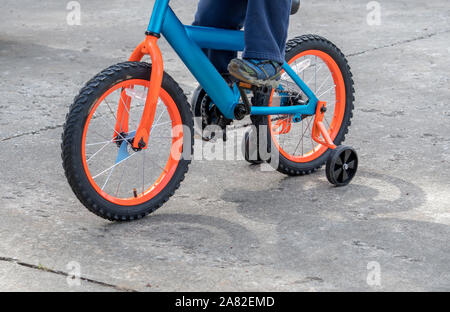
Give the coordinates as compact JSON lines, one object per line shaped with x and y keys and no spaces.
{"x":394,"y":44}
{"x":61,"y":273}
{"x":33,"y":132}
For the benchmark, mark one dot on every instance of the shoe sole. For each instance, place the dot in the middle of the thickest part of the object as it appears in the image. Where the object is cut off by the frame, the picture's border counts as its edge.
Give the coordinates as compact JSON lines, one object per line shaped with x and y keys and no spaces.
{"x":271,"y":82}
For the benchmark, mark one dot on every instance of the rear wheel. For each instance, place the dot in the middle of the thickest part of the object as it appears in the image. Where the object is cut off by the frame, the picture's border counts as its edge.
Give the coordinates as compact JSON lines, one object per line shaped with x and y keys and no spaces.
{"x":110,"y":178}
{"x":323,"y":67}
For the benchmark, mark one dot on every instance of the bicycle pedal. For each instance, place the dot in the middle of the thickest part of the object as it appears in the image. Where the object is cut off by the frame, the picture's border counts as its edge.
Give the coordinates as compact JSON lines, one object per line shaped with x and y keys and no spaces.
{"x":259,"y":84}
{"x":245,"y":85}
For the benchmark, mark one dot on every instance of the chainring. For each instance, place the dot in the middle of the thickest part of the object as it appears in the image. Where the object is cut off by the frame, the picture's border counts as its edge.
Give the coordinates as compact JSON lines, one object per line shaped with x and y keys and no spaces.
{"x":211,"y":116}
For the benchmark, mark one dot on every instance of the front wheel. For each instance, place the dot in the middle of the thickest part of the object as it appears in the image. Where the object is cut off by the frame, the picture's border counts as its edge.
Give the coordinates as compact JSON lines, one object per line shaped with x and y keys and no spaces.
{"x":109,"y":177}
{"x":323,"y":67}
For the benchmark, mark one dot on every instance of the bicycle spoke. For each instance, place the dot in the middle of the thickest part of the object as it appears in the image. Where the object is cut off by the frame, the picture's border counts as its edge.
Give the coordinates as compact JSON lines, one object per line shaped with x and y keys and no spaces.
{"x":104,"y":142}
{"x":113,"y":166}
{"x":114,"y":115}
{"x":303,"y":153}
{"x":318,"y":70}
{"x":331,"y":88}
{"x":107,"y":179}
{"x":112,"y":128}
{"x":323,"y":83}
{"x":158,"y":165}
{"x":100,"y":135}
{"x":110,"y":109}
{"x":98,"y":143}
{"x":124,"y":104}
{"x":120,"y":181}
{"x":163,"y":123}
{"x":303,"y":134}
{"x":102,"y":148}
{"x":159,"y":118}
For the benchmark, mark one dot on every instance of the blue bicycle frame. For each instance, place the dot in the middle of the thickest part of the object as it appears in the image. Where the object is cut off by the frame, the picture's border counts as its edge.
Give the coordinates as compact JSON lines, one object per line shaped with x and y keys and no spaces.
{"x":188,"y":41}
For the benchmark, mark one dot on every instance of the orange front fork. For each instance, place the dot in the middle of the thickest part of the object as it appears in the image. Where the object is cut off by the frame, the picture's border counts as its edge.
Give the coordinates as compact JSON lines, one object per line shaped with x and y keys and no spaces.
{"x":148,"y":46}
{"x":320,"y":129}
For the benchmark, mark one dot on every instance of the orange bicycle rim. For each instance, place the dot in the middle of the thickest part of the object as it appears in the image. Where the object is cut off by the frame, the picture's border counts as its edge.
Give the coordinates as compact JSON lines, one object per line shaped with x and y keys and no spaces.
{"x":175,"y":152}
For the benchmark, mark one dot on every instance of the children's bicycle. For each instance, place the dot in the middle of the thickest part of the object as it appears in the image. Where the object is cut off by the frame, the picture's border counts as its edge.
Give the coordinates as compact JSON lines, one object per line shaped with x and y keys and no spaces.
{"x":128,"y":137}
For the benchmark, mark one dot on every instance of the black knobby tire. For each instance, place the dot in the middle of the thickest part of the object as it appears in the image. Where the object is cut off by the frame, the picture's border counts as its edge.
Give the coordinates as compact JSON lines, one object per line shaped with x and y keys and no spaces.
{"x":294,"y":47}
{"x":73,"y":132}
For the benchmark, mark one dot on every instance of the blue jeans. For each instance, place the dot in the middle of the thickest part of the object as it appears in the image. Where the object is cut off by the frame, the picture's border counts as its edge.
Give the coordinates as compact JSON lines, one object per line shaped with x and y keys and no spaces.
{"x":265,"y":24}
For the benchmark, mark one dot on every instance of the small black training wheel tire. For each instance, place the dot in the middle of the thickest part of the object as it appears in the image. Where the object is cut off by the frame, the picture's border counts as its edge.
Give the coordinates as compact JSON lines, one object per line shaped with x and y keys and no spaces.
{"x":342,"y":165}
{"x":250,"y":147}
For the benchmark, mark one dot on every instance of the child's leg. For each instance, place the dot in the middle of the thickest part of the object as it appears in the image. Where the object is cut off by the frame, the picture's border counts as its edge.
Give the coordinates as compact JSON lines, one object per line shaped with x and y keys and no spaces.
{"x":228,"y":14}
{"x":266,"y":27}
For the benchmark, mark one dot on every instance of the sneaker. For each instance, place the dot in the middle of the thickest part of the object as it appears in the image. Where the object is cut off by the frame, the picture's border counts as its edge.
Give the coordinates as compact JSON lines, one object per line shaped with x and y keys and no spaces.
{"x":256,"y":72}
